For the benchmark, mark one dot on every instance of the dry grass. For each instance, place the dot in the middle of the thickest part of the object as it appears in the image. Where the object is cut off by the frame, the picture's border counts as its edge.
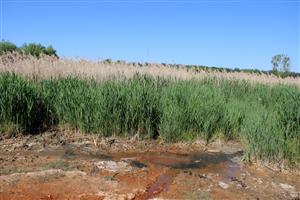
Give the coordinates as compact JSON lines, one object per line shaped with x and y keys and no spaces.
{"x":46,"y":67}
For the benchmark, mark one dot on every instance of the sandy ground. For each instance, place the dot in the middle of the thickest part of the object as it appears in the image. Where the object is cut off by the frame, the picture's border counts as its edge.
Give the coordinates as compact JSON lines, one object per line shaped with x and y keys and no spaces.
{"x":58,"y":165}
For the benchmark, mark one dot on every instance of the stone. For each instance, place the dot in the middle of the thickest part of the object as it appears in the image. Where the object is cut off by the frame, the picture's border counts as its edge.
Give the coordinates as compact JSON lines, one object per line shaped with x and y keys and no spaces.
{"x":113,"y":166}
{"x":287,"y":187}
{"x":223,"y":185}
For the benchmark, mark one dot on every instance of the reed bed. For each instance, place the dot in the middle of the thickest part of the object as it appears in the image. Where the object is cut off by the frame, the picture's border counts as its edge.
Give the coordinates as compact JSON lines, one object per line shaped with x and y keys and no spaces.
{"x":152,"y":100}
{"x":265,"y":119}
{"x":47,"y":67}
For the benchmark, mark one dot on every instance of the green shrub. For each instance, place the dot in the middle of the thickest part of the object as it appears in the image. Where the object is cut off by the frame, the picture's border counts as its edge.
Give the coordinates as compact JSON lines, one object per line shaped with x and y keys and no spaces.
{"x":37,"y":50}
{"x":29,"y":49}
{"x":7,"y":47}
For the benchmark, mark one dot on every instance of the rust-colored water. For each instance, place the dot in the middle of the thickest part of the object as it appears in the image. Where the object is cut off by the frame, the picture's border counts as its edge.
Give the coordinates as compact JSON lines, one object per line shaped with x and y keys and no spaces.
{"x":72,"y":172}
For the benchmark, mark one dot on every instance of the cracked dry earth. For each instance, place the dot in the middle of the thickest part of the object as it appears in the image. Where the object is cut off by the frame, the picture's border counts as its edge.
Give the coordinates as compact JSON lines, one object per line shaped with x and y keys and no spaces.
{"x":58,"y":165}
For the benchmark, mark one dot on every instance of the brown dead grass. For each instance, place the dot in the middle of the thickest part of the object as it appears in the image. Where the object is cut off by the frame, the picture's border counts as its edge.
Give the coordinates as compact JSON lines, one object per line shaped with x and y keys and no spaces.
{"x":46,"y":67}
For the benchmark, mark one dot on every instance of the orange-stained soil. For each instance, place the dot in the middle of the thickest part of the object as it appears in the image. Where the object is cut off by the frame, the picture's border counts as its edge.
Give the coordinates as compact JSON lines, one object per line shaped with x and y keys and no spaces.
{"x":57,"y":165}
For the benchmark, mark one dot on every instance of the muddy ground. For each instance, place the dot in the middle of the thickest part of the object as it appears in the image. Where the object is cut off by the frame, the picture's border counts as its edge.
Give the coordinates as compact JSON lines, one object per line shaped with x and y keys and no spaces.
{"x":57,"y":165}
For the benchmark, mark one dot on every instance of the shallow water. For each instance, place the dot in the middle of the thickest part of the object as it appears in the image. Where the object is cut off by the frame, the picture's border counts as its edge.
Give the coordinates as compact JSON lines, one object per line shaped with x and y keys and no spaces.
{"x":190,"y":175}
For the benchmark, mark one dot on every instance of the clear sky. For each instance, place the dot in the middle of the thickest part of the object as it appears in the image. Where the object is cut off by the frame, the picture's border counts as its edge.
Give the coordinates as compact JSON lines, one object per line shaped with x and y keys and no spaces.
{"x":235,"y":33}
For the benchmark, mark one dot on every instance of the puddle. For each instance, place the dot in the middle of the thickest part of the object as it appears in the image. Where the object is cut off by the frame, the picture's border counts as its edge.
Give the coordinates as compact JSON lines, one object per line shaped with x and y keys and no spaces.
{"x":182,"y":161}
{"x":71,"y":152}
{"x":208,"y":162}
{"x":204,"y":162}
{"x":143,"y":174}
{"x":143,"y":159}
{"x":137,"y":164}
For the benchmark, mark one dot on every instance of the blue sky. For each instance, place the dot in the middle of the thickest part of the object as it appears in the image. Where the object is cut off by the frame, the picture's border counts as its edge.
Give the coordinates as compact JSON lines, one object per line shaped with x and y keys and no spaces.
{"x":244,"y":34}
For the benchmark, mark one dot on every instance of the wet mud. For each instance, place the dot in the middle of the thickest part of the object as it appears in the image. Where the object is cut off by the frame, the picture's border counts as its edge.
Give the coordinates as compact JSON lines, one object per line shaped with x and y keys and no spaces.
{"x":42,"y":167}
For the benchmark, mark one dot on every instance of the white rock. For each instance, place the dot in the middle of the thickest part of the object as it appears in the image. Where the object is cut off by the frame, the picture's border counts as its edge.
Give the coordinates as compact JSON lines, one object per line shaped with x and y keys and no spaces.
{"x":223,"y":185}
{"x":295,"y":195}
{"x":113,"y":166}
{"x":259,"y":181}
{"x":213,"y":150}
{"x":290,"y":189}
{"x":287,"y":187}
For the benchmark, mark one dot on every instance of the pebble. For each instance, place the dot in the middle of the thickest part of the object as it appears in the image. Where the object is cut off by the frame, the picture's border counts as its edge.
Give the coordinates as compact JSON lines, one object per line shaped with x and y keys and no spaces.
{"x":259,"y":181}
{"x":223,"y":185}
{"x":113,"y":166}
{"x":213,"y":150}
{"x":287,"y":187}
{"x":202,"y":176}
{"x":290,"y":189}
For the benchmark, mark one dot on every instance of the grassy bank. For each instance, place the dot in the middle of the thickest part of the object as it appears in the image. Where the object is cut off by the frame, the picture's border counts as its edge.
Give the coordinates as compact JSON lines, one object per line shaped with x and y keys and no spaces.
{"x":265,"y":118}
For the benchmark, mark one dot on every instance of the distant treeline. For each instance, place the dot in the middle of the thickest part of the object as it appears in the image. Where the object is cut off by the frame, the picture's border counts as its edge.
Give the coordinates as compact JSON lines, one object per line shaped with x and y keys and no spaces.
{"x":256,"y":71}
{"x":198,"y":68}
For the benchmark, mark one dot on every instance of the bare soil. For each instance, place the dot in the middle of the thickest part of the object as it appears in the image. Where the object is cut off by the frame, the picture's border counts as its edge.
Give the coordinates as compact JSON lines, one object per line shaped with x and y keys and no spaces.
{"x":57,"y":165}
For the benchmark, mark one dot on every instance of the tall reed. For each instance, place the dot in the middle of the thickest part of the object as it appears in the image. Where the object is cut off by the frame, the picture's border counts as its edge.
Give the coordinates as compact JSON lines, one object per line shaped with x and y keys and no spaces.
{"x":265,"y":118}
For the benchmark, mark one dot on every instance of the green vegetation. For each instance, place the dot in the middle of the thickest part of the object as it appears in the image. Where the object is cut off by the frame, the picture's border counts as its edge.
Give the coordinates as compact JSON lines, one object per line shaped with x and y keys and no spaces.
{"x":278,"y":73}
{"x":37,"y":50}
{"x":7,"y":47}
{"x":23,"y":106}
{"x":281,"y":63}
{"x":32,"y":49}
{"x":265,"y":118}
